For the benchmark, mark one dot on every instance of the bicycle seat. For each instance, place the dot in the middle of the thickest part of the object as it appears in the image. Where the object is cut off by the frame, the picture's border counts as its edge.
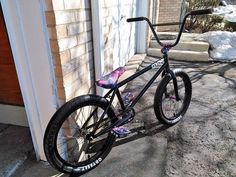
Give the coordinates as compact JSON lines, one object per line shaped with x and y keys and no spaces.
{"x":110,"y":80}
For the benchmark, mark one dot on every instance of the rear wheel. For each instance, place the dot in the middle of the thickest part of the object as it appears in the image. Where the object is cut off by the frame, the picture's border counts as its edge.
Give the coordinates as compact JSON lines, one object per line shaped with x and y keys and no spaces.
{"x":167,"y":109}
{"x":67,"y":142}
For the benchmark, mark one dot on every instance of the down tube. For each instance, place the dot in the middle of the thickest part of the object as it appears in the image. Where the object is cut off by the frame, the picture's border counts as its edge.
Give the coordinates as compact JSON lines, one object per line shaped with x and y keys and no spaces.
{"x":148,"y":85}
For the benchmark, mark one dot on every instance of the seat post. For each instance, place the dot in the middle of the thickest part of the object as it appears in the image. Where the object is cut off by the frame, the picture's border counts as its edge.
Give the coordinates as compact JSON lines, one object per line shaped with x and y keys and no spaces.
{"x":120,"y":99}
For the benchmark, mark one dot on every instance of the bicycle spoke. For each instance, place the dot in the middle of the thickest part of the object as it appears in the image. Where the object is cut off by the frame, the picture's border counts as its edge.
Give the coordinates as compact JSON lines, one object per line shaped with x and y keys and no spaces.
{"x":170,"y":105}
{"x":72,"y":143}
{"x":83,"y":149}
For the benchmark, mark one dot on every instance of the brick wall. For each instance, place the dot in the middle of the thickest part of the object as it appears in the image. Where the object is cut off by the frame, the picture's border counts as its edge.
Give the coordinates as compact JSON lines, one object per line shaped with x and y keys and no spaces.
{"x":70,"y":33}
{"x":169,"y":11}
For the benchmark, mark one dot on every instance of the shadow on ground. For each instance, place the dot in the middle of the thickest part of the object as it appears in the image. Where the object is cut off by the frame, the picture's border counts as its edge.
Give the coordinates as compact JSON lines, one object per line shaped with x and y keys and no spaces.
{"x":202,"y":144}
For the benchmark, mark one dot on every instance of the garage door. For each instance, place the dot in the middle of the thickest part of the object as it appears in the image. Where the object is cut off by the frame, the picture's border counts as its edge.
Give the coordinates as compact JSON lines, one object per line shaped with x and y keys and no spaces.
{"x":9,"y":86}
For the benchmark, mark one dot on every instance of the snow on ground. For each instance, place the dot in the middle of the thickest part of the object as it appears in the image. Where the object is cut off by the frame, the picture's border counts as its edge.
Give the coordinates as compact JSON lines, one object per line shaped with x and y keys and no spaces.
{"x":223,"y":44}
{"x":228,"y":12}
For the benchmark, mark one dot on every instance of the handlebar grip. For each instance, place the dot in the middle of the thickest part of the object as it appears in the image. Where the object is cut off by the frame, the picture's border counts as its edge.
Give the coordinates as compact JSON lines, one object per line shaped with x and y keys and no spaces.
{"x":201,"y":12}
{"x":135,"y":19}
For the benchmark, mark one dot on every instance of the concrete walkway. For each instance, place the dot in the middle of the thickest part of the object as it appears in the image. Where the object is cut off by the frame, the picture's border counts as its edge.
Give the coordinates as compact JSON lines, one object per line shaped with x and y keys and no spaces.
{"x":201,"y":145}
{"x":15,"y":147}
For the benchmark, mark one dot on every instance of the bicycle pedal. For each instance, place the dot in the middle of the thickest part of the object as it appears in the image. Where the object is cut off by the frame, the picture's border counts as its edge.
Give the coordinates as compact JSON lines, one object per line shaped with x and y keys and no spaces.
{"x":121,"y":132}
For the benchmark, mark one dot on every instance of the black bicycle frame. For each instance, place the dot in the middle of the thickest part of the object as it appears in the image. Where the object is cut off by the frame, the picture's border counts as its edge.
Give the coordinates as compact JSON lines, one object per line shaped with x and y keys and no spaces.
{"x":115,"y":91}
{"x":164,"y":66}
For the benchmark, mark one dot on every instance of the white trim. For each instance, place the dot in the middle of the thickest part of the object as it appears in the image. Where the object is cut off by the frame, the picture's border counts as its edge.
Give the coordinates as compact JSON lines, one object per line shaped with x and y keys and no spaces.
{"x":30,"y":47}
{"x":141,"y":35}
{"x":98,"y":42}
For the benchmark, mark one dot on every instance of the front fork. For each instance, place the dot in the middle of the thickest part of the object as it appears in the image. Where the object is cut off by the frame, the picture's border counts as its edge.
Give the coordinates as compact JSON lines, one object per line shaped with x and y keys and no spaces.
{"x":168,"y":70}
{"x":175,"y":85}
{"x":172,"y":74}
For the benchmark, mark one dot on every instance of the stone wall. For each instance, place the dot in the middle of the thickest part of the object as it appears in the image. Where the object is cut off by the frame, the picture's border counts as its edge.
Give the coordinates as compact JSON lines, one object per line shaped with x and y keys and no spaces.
{"x":118,"y":35}
{"x":70,"y":32}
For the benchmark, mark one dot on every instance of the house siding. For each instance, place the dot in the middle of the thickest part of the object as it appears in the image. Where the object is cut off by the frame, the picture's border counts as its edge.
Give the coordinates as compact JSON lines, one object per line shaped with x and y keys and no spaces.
{"x":70,"y":31}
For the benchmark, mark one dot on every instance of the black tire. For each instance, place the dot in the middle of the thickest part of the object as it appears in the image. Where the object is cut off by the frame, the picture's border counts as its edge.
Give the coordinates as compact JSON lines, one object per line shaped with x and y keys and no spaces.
{"x":165,"y":92}
{"x":67,"y":130}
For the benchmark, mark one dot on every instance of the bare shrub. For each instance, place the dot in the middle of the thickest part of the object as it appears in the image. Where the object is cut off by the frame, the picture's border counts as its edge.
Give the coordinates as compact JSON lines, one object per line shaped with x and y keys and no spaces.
{"x":203,"y":23}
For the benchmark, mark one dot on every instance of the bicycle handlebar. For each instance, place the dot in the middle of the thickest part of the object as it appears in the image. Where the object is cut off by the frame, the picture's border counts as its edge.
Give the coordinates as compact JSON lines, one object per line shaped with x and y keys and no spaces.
{"x":136,"y":19}
{"x":201,"y":12}
{"x":195,"y":12}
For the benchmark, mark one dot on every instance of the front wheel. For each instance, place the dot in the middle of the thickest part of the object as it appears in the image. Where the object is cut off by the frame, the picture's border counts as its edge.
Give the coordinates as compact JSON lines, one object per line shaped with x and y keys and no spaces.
{"x":67,"y":144}
{"x":167,"y":109}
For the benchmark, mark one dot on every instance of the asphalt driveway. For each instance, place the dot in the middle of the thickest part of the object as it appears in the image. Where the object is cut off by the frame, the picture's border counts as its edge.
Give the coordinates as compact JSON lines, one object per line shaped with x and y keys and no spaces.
{"x":203,"y":144}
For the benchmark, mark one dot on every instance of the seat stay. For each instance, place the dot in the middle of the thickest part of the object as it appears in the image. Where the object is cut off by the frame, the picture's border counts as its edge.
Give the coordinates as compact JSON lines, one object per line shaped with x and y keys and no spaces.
{"x":104,"y":113}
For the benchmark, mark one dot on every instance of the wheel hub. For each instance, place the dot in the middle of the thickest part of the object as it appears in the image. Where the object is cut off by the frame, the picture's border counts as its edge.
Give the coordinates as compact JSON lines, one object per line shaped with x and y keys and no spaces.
{"x":89,"y":137}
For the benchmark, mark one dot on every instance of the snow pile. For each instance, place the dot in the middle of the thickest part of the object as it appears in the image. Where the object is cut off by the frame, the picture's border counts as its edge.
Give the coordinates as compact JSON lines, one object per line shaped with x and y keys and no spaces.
{"x":223,"y":44}
{"x":228,"y":12}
